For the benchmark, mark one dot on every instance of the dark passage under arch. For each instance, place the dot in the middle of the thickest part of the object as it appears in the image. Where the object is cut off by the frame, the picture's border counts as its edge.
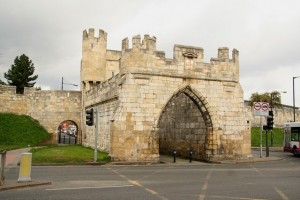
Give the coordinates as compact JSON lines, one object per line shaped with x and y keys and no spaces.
{"x":183,"y":125}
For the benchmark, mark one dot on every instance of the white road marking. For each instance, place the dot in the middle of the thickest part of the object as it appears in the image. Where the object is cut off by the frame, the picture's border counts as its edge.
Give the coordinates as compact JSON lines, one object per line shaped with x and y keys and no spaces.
{"x":205,"y":185}
{"x":283,"y":196}
{"x":81,"y":188}
{"x":138,"y":184}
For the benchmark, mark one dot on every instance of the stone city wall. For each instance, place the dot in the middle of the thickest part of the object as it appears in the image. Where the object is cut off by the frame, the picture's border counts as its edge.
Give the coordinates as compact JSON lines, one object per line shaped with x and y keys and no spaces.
{"x":281,"y":115}
{"x":50,"y":108}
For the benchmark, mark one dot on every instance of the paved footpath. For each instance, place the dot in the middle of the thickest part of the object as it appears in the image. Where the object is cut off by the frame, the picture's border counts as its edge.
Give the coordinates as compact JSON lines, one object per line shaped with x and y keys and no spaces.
{"x":13,"y":159}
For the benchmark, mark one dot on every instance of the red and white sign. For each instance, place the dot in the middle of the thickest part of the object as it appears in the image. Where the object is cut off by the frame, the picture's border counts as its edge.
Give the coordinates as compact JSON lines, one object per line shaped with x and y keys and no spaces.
{"x":265,"y":106}
{"x":256,"y":105}
{"x":261,"y":109}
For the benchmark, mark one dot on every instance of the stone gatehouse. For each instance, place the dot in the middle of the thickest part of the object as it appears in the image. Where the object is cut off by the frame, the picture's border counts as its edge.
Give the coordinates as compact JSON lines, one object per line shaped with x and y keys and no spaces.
{"x":149,"y":105}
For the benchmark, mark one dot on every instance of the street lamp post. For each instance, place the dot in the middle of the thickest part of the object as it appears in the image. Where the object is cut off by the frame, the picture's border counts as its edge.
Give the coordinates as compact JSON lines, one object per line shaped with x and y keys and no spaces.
{"x":294,"y":96}
{"x":62,"y":83}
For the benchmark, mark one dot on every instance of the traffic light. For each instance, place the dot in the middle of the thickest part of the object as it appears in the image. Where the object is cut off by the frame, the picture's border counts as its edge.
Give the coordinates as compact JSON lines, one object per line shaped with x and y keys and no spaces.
{"x":89,"y":117}
{"x":270,"y":120}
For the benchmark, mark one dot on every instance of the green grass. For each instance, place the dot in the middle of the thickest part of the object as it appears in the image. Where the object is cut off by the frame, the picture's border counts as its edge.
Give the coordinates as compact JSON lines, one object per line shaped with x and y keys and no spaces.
{"x":277,"y":137}
{"x":73,"y":154}
{"x":17,"y":131}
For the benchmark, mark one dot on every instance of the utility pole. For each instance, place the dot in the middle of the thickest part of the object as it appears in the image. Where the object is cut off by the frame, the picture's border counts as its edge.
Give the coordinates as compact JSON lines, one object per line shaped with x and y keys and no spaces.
{"x":294,"y":109}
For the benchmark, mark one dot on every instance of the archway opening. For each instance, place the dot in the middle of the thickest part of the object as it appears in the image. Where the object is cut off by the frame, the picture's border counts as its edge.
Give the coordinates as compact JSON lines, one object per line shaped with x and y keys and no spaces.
{"x":183,"y":126}
{"x":67,"y":132}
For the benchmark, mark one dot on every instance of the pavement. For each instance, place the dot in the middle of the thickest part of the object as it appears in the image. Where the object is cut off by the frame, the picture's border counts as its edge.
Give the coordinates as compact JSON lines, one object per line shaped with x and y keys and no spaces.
{"x":255,"y":158}
{"x":13,"y":159}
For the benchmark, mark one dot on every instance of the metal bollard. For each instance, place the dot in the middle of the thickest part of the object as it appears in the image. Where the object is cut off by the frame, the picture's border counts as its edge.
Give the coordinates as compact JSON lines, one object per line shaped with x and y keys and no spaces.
{"x":2,"y":166}
{"x":174,"y":155}
{"x":59,"y":137}
{"x":191,"y":155}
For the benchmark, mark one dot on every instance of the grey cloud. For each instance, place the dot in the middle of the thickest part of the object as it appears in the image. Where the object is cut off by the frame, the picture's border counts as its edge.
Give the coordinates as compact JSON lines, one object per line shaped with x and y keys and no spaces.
{"x":50,"y":32}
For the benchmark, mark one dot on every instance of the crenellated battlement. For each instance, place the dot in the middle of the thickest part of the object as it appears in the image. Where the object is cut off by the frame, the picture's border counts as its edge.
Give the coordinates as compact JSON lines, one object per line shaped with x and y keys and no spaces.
{"x":100,"y":64}
{"x":148,"y":43}
{"x":223,"y":55}
{"x":90,"y":34}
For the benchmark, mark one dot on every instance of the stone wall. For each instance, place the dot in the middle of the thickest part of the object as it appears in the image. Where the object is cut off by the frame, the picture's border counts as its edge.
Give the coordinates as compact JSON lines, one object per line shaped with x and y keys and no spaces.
{"x":50,"y":108}
{"x":104,"y":99}
{"x":281,"y":115}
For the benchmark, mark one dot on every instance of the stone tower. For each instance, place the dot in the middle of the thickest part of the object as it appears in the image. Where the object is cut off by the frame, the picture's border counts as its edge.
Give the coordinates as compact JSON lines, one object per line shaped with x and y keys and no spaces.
{"x":93,"y":63}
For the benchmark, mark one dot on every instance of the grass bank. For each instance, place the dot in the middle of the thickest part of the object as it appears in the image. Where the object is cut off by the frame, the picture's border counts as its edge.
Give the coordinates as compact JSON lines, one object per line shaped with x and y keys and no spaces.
{"x":18,"y":131}
{"x":277,"y":137}
{"x":73,"y":154}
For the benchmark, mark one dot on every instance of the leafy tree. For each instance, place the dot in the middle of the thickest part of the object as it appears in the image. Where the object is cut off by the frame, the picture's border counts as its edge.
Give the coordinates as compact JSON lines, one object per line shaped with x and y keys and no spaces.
{"x":21,"y":73}
{"x":273,"y":98}
{"x":2,"y":83}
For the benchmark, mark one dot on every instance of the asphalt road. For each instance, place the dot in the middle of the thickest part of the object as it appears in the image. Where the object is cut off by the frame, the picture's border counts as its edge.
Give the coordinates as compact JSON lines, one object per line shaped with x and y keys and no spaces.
{"x":265,"y":180}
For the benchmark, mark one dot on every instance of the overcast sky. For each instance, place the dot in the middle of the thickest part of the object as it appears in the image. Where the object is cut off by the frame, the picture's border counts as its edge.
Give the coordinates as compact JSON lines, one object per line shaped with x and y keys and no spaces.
{"x":266,"y":33}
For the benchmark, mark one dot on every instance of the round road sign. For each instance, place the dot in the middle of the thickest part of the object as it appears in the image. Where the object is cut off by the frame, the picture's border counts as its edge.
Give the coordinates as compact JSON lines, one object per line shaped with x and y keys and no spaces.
{"x":257,"y":106}
{"x":265,"y":106}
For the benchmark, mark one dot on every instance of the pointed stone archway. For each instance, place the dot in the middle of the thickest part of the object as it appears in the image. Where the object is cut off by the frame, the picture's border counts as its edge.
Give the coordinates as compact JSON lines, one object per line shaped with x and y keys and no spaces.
{"x":185,"y":124}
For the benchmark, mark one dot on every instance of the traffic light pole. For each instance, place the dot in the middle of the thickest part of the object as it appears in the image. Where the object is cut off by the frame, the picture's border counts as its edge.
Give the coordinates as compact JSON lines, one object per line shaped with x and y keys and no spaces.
{"x":267,"y":145}
{"x":96,"y":137}
{"x":269,"y":127}
{"x":260,"y":136}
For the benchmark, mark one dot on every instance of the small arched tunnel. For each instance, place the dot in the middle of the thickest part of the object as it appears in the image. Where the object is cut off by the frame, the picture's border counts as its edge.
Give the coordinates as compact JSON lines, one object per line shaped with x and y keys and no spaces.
{"x":67,"y":132}
{"x":183,"y":125}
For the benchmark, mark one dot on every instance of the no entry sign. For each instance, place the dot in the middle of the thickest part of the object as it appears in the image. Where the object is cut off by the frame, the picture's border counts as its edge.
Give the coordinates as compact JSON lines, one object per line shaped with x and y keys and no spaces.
{"x":257,"y":105}
{"x":261,"y":109}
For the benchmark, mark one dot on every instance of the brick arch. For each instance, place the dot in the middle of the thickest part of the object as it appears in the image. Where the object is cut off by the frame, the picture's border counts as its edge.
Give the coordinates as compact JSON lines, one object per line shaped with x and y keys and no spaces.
{"x":197,"y":98}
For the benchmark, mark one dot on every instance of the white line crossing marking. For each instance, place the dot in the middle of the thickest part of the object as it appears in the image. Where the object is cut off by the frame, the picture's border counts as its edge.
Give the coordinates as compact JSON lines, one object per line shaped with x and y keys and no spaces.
{"x":81,"y":188}
{"x":205,"y":185}
{"x":138,"y":184}
{"x":281,"y":193}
